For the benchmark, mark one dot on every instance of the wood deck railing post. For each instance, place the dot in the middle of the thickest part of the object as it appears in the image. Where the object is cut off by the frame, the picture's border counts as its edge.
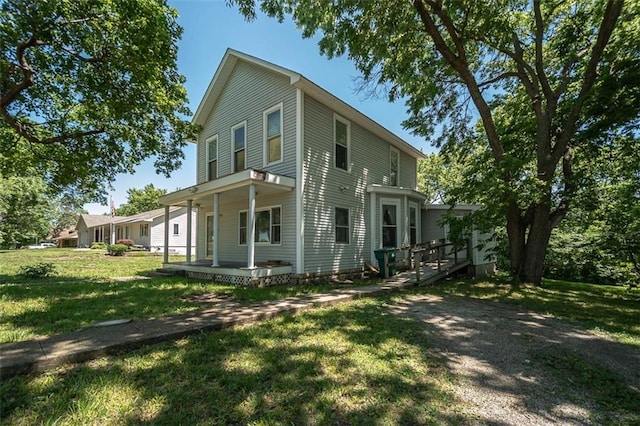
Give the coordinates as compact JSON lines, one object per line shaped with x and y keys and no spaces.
{"x":386,"y":265}
{"x":455,"y":255}
{"x":418,"y":265}
{"x":469,"y":248}
{"x":439,"y":256}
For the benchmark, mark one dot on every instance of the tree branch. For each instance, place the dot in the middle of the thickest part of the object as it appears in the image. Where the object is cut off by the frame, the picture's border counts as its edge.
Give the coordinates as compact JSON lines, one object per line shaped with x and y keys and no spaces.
{"x":499,"y":77}
{"x":460,"y":65}
{"x":542,"y":75}
{"x":23,"y":130}
{"x":27,"y":72}
{"x":609,"y":19}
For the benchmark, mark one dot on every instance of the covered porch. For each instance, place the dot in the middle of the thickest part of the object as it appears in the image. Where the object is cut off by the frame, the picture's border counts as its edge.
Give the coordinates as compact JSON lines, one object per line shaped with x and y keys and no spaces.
{"x":243,"y":187}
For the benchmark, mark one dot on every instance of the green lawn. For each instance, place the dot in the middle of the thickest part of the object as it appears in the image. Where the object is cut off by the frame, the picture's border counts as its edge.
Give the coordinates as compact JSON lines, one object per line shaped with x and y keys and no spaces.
{"x":354,"y":363}
{"x":89,"y":288}
{"x":349,"y":364}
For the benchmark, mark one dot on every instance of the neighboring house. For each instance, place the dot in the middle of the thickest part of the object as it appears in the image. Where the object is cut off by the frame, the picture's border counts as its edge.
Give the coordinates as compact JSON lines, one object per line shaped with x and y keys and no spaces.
{"x":292,"y":181}
{"x":67,"y":238}
{"x":93,"y":228}
{"x":145,"y":229}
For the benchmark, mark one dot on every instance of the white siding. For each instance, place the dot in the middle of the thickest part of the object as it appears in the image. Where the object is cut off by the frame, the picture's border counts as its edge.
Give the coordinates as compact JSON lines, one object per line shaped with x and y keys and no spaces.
{"x":327,"y":188}
{"x":177,"y":243}
{"x":249,"y":91}
{"x":231,"y":252}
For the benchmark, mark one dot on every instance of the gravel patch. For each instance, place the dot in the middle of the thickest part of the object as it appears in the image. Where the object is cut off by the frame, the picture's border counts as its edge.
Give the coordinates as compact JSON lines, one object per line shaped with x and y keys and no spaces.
{"x":501,"y":354}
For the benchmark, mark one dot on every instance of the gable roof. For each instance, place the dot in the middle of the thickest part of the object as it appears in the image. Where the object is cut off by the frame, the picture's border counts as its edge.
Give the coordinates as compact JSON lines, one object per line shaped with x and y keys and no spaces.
{"x":231,"y":58}
{"x":145,"y":216}
{"x":92,"y":220}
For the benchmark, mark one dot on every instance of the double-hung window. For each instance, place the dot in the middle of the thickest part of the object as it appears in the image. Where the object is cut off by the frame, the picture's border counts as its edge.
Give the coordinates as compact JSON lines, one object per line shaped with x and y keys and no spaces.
{"x":144,"y":229}
{"x":393,"y":172}
{"x":341,"y":140}
{"x":212,"y":157}
{"x":268,"y":226}
{"x":239,"y":142}
{"x":342,"y":225}
{"x":273,"y":135}
{"x":176,"y":229}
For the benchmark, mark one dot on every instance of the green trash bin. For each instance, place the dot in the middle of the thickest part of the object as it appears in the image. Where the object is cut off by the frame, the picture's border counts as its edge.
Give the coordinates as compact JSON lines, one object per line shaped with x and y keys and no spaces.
{"x":391,"y":260}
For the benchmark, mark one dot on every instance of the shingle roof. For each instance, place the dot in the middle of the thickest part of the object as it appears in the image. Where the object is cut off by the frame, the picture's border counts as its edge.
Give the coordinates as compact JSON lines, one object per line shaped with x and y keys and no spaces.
{"x":145,"y":216}
{"x":92,"y":220}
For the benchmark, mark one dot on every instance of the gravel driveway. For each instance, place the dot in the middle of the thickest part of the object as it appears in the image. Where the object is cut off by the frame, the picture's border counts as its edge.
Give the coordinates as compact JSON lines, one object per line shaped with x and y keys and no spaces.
{"x":506,"y":360}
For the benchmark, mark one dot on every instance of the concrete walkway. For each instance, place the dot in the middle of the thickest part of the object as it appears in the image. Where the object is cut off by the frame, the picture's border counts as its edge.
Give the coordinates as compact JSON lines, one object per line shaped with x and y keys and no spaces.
{"x":95,"y":342}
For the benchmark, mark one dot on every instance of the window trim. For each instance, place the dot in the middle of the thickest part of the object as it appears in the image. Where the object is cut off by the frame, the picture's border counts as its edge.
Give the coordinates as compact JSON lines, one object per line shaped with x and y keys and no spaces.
{"x":393,"y":149}
{"x":144,"y":229}
{"x":207,"y":160}
{"x":414,"y":205}
{"x":265,"y":139}
{"x":271,"y":224}
{"x":233,"y":146}
{"x":347,"y":123}
{"x":335,"y":225}
{"x":398,"y":205}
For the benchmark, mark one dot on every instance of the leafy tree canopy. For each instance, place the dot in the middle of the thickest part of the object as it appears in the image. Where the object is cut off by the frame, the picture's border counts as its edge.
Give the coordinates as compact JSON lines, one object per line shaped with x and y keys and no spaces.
{"x":542,"y":81}
{"x":141,"y":200}
{"x":26,"y":210}
{"x":90,"y":89}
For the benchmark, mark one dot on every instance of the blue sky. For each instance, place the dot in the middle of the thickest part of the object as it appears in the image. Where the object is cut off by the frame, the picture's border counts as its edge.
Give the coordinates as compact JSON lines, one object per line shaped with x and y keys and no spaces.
{"x":210,"y":27}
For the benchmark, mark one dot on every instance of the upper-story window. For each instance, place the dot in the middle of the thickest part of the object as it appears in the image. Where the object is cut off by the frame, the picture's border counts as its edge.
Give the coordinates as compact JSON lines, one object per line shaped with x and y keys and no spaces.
{"x":393,"y":169}
{"x":273,"y":135}
{"x":239,"y":142}
{"x":342,"y":141}
{"x":212,"y":157}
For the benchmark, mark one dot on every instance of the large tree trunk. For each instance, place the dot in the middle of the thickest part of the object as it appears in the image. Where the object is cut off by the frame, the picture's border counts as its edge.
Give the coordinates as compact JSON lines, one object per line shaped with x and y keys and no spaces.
{"x":528,"y":241}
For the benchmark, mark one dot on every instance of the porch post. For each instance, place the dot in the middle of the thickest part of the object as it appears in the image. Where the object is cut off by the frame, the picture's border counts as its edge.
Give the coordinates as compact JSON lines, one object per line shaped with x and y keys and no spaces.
{"x":251,"y":231}
{"x":166,"y":235}
{"x":189,"y":225}
{"x":216,"y":215}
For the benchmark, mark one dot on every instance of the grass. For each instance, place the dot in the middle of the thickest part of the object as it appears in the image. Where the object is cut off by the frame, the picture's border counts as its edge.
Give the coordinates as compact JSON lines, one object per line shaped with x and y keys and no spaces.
{"x":349,"y":364}
{"x":87,"y":290}
{"x":354,"y":363}
{"x":612,"y":310}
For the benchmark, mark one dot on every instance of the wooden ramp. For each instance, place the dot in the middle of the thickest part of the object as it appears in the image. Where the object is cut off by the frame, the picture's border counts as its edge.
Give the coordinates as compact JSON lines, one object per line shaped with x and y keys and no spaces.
{"x":429,"y":272}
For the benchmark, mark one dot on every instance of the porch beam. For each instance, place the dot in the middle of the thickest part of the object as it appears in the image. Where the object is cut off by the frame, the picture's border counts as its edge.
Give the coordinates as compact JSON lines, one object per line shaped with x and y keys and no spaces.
{"x":251,"y":227}
{"x":166,"y":235}
{"x":189,"y":225}
{"x":214,"y":233}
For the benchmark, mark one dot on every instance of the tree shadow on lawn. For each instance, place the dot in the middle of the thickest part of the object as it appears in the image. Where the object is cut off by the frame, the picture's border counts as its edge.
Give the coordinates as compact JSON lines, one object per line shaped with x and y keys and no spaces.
{"x":349,"y":364}
{"x":553,"y":371}
{"x":599,"y":307}
{"x":69,"y":304}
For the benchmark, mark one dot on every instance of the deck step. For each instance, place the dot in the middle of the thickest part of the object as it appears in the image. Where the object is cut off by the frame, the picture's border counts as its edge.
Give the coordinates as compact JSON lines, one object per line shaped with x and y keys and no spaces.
{"x":163,"y":272}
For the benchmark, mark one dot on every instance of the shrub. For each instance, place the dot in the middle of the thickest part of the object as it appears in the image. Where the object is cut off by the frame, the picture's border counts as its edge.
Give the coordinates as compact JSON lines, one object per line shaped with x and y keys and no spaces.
{"x":117,"y":249}
{"x":126,"y":242}
{"x":39,"y":270}
{"x":99,"y":246}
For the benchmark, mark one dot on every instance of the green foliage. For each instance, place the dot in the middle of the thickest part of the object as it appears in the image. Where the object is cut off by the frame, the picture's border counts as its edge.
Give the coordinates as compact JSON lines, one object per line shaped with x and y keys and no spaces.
{"x":516,"y":88}
{"x":98,"y":246}
{"x":93,"y":91}
{"x":26,"y":210}
{"x":38,"y":270}
{"x":117,"y":249}
{"x":141,"y":200}
{"x":438,"y":177}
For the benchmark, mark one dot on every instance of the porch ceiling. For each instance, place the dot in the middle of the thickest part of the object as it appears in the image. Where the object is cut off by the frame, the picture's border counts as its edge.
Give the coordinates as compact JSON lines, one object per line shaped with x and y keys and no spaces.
{"x":234,"y":187}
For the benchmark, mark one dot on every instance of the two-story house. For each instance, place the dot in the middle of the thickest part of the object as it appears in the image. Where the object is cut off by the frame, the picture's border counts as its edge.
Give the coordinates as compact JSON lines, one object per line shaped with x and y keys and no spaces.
{"x":291,"y":181}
